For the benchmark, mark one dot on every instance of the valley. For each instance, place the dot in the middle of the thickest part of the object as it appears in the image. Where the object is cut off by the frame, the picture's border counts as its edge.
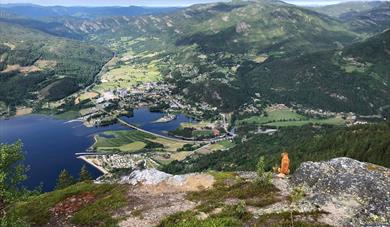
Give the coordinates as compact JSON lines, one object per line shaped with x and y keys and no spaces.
{"x":171,"y":64}
{"x":196,"y":103}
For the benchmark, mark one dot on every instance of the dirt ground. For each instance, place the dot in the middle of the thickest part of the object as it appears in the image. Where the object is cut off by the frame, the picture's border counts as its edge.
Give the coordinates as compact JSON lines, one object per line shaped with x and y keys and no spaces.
{"x":20,"y":111}
{"x":155,"y":202}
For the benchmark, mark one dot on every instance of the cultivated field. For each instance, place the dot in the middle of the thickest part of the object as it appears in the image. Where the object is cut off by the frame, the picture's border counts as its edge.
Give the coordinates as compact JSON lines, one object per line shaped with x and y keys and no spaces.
{"x":283,"y":117}
{"x":132,"y":141}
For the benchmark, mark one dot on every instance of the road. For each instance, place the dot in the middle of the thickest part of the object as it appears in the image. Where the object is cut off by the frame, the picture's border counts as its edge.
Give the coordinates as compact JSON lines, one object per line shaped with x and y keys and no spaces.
{"x":158,"y":135}
{"x":98,"y":75}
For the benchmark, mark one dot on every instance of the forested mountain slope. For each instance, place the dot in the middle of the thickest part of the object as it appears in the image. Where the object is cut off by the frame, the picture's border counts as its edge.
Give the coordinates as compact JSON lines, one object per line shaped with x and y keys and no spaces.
{"x":355,"y":78}
{"x":37,"y":65}
{"x":227,"y":54}
{"x":234,"y":27}
{"x":204,"y":46}
{"x":362,"y":17}
{"x":341,"y":9}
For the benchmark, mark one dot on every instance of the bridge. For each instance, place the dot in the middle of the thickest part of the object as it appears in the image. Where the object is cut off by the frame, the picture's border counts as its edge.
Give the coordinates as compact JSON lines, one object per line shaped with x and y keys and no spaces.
{"x":158,"y":135}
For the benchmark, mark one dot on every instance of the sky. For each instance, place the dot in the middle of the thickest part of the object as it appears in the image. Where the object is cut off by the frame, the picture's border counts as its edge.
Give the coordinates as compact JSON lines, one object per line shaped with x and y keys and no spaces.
{"x":150,"y":2}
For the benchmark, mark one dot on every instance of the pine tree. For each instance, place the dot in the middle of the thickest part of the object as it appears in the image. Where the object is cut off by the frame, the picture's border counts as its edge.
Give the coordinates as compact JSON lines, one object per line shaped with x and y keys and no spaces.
{"x":64,"y":180}
{"x":84,"y":174}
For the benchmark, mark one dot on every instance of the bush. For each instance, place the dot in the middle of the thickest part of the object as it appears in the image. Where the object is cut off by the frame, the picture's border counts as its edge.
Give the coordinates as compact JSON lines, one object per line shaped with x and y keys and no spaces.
{"x":263,"y":178}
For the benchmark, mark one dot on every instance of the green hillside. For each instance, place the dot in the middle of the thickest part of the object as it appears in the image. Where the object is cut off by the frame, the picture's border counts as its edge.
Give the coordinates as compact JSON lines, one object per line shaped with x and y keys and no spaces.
{"x":363,"y":17}
{"x":355,"y":78}
{"x":225,"y":54}
{"x":202,"y":47}
{"x":341,"y":9}
{"x":370,"y":21}
{"x":37,"y":65}
{"x":367,"y":143}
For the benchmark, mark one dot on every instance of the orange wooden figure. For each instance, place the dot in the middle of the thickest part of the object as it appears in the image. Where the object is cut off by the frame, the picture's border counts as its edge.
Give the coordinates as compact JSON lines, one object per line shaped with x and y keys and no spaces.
{"x":284,"y":165}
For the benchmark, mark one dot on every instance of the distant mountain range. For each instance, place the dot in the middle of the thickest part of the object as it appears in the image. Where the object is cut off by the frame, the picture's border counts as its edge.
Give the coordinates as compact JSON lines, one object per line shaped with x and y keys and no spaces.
{"x":362,"y":17}
{"x":37,"y":11}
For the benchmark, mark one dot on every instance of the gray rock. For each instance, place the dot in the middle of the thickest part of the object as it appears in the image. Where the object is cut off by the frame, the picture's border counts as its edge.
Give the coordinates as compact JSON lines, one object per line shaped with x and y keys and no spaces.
{"x":146,"y":176}
{"x":357,"y":189}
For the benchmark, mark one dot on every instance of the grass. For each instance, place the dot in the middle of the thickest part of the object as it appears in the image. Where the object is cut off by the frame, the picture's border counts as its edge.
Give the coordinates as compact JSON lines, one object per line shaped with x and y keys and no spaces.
{"x":36,"y":209}
{"x":211,"y":202}
{"x":221,"y":145}
{"x":329,"y":121}
{"x":230,"y":186}
{"x":287,"y":117}
{"x":98,"y":213}
{"x":229,"y":216}
{"x":133,"y":141}
{"x":125,"y":141}
{"x":169,"y":145}
{"x":128,"y":74}
{"x":198,"y":125}
{"x":308,"y":219}
{"x":226,"y":144}
{"x":127,"y":148}
{"x":275,"y":115}
{"x":68,"y":115}
{"x":202,"y":133}
{"x":88,"y":95}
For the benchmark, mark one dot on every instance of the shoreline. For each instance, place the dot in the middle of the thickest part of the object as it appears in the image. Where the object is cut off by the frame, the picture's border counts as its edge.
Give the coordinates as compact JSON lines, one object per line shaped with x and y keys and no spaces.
{"x":85,"y":159}
{"x":90,"y":148}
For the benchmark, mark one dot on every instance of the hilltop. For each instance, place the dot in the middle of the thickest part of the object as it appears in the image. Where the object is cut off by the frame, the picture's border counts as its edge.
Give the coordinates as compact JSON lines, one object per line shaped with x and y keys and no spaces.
{"x":338,"y":192}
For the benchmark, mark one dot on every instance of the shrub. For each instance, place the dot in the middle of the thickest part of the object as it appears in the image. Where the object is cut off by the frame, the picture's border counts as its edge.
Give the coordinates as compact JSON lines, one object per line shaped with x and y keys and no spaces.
{"x":263,"y":178}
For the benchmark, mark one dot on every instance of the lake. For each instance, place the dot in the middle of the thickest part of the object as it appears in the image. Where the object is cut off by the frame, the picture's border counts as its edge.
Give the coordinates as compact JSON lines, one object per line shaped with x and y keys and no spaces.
{"x":50,"y":144}
{"x":145,"y":119}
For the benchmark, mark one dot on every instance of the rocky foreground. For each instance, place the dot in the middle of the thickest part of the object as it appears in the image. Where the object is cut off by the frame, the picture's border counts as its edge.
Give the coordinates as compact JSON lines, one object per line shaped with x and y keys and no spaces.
{"x":342,"y":192}
{"x":354,"y":193}
{"x":338,"y":192}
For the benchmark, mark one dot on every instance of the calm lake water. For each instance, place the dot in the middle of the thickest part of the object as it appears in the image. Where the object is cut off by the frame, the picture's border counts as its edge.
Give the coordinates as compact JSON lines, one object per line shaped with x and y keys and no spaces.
{"x":145,"y":119}
{"x":50,"y":144}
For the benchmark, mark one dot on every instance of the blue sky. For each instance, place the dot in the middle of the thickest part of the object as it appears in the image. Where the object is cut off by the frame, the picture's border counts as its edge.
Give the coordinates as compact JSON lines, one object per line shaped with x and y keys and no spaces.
{"x":150,"y":2}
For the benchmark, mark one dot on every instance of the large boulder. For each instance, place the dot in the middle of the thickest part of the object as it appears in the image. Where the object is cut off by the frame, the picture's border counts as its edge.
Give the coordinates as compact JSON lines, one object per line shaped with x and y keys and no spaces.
{"x":145,"y":176}
{"x":356,"y":193}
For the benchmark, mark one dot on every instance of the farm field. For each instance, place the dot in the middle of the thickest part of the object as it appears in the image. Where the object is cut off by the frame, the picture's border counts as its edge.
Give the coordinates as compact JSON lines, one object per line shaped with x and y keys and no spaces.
{"x":274,"y":115}
{"x":133,"y":141}
{"x":329,"y":121}
{"x":127,"y":76}
{"x":198,"y":125}
{"x":222,"y":145}
{"x":287,"y":117}
{"x":129,"y":68}
{"x":202,"y":133}
{"x":87,"y":95}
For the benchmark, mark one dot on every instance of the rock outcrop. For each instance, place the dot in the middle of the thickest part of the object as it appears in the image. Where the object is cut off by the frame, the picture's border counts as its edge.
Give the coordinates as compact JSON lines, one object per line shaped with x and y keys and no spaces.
{"x":352,"y":192}
{"x":153,"y":180}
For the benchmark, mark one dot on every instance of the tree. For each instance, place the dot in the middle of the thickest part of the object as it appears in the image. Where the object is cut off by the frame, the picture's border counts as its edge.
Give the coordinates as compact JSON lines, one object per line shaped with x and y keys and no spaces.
{"x":64,"y":180}
{"x":12,"y":171}
{"x":263,"y":178}
{"x":84,"y":174}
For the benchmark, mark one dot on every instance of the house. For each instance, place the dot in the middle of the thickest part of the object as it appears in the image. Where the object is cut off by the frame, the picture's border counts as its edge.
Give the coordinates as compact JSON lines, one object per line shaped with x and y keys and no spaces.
{"x":121,"y":92}
{"x":109,"y":96}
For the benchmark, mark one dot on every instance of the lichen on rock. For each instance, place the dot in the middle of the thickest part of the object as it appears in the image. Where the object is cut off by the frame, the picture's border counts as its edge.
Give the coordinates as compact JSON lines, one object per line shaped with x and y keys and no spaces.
{"x":353,"y":192}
